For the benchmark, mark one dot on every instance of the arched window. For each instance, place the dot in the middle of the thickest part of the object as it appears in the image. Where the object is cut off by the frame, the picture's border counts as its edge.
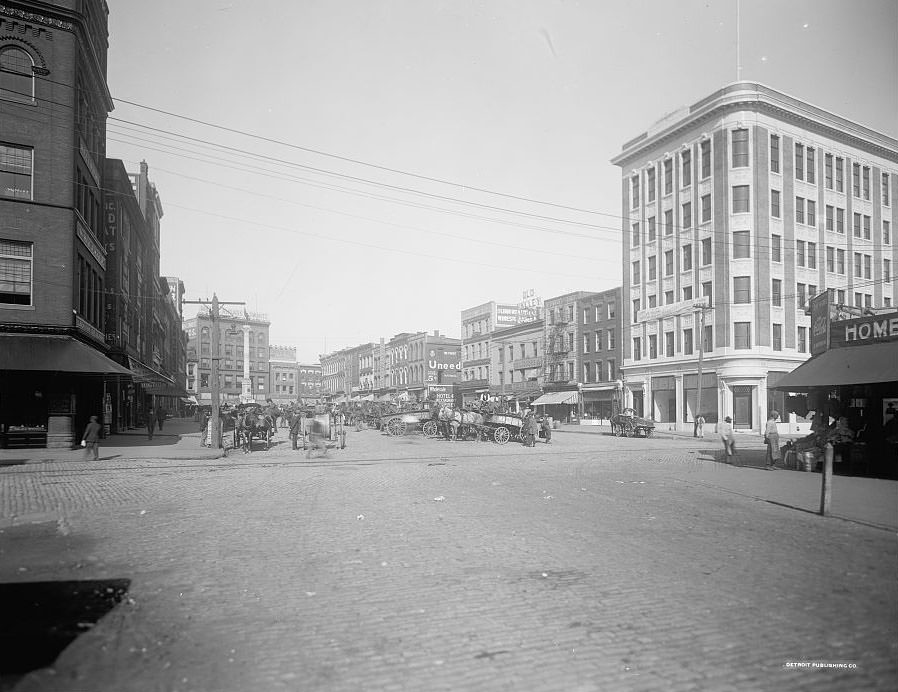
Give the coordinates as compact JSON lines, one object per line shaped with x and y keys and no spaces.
{"x":16,"y":75}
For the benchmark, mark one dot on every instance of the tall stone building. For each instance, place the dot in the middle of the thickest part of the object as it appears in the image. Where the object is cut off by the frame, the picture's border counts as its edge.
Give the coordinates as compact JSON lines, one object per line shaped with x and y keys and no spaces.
{"x":749,"y":201}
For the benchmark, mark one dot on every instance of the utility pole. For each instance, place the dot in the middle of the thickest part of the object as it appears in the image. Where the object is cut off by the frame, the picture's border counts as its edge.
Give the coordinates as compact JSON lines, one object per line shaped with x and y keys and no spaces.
{"x":215,"y":422}
{"x":702,"y":307}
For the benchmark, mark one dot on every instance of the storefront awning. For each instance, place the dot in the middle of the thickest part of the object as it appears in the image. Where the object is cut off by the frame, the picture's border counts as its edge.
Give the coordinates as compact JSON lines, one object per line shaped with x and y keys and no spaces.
{"x":145,"y":375}
{"x":557,"y":398}
{"x":53,"y":353}
{"x":868,"y":364}
{"x":165,"y":390}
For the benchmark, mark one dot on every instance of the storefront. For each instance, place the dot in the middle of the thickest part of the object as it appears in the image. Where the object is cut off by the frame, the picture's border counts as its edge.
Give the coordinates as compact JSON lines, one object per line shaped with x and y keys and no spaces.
{"x":599,"y":400}
{"x":851,"y":385}
{"x":561,"y":405}
{"x":50,"y":385}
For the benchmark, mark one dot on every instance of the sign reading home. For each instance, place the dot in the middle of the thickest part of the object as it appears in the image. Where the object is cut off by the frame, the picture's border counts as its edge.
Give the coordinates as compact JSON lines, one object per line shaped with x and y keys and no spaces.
{"x":864,"y":330}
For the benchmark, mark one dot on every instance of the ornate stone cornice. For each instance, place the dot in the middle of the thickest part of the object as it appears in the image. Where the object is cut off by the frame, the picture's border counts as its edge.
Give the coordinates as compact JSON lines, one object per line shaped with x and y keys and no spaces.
{"x":36,"y":18}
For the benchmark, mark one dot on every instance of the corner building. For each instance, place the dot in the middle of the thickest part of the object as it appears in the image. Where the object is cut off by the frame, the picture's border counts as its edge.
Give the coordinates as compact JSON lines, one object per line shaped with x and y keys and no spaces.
{"x":754,"y":201}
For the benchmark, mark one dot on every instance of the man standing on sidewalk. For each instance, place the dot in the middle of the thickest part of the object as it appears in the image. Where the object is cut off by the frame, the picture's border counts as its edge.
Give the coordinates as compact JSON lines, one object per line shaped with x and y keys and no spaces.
{"x":91,"y":440}
{"x":151,"y":422}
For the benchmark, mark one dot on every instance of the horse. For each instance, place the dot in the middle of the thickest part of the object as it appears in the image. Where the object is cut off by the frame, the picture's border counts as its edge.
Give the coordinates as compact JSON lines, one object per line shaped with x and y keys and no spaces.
{"x":253,"y":424}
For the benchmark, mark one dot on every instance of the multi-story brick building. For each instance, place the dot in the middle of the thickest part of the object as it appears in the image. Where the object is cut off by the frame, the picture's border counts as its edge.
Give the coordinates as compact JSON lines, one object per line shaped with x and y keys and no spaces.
{"x":518,"y":361}
{"x":54,"y":100}
{"x":601,"y":331}
{"x":283,"y":374}
{"x":309,"y":380}
{"x":433,"y":359}
{"x":243,"y":368}
{"x":754,"y":201}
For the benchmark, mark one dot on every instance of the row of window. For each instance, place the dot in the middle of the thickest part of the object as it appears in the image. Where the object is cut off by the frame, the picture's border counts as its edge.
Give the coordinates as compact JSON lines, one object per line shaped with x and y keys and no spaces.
{"x":741,"y":341}
{"x":229,"y":383}
{"x":667,"y":174}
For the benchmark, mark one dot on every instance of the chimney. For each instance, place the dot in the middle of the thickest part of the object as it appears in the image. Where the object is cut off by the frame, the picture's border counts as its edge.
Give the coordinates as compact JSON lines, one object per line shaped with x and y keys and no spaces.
{"x":436,"y":332}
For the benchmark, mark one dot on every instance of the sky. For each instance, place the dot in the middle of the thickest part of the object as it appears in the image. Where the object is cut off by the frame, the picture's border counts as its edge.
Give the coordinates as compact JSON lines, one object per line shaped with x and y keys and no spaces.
{"x":354,"y":169}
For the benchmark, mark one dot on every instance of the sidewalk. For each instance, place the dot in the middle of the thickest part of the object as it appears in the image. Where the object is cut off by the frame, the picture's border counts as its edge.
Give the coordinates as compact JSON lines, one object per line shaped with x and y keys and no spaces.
{"x":180,"y":438}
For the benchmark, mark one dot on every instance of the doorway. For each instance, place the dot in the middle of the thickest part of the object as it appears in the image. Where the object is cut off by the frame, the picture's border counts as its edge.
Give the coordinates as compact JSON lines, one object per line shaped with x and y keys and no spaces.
{"x":742,"y":418}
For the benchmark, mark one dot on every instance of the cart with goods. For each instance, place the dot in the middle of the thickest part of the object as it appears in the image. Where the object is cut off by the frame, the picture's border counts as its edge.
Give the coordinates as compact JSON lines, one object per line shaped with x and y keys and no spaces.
{"x":503,"y":427}
{"x":628,"y":424}
{"x":398,"y":423}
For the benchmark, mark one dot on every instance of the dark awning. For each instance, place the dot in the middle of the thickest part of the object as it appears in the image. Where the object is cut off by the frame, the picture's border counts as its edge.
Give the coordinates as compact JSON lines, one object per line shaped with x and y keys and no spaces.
{"x":165,"y":390}
{"x":867,"y":364}
{"x":145,"y":375}
{"x":54,"y":353}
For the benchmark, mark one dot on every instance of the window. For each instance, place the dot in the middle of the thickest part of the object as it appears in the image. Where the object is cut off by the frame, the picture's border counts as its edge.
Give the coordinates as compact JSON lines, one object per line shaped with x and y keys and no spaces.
{"x":830,"y":215}
{"x":740,"y":199}
{"x":777,"y":337}
{"x":610,"y":339}
{"x":16,"y":268}
{"x":653,"y":301}
{"x":775,"y":204}
{"x":636,"y":306}
{"x":586,"y":343}
{"x":776,"y":248}
{"x":828,"y":171}
{"x":687,"y":215}
{"x":867,"y":232}
{"x":653,"y":345}
{"x":885,"y":190}
{"x":635,"y":234}
{"x":742,"y":335}
{"x":865,"y":179}
{"x":668,"y":176}
{"x":706,"y":208}
{"x":586,"y":372}
{"x":840,"y":262}
{"x":840,"y":174}
{"x":707,"y":292}
{"x":686,"y":166}
{"x":16,"y":75}
{"x":669,"y":344}
{"x":741,"y":244}
{"x":740,"y":148}
{"x":15,"y":171}
{"x":651,"y":222}
{"x":650,"y":184}
{"x":636,"y":277}
{"x":831,"y":259}
{"x":802,"y":339}
{"x":637,"y":348}
{"x":668,"y":262}
{"x":841,"y":297}
{"x":810,"y":173}
{"x":887,"y":270}
{"x":799,"y":162}
{"x":612,"y":371}
{"x":708,"y":340}
{"x":868,"y":300}
{"x":705,"y":148}
{"x":742,"y":289}
{"x":687,"y":257}
{"x":652,"y":268}
{"x":668,"y":222}
{"x":840,"y":220}
{"x":776,"y":293}
{"x":599,"y":341}
{"x":812,"y":255}
{"x":687,"y":342}
{"x":812,"y":213}
{"x":857,"y":264}
{"x":856,"y":179}
{"x":668,"y":297}
{"x":886,"y":233}
{"x":868,"y":267}
{"x":687,"y":292}
{"x":799,"y":253}
{"x":774,"y":153}
{"x":634,"y":190}
{"x":799,"y":210}
{"x":858,"y":300}
{"x":585,"y":320}
{"x":706,"y":252}
{"x":801,"y":295}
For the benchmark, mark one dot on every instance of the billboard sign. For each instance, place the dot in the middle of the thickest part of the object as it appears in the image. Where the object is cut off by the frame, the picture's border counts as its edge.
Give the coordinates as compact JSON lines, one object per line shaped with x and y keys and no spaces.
{"x":821,"y":315}
{"x":443,"y":365}
{"x":864,"y":330}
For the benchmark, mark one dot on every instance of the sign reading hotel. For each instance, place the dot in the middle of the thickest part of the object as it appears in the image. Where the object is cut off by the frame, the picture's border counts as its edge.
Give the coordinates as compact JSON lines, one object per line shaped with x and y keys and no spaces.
{"x":864,"y":330}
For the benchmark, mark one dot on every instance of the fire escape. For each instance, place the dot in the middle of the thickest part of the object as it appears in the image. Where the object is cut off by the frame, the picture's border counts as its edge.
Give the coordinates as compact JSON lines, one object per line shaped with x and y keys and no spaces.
{"x":558,"y":347}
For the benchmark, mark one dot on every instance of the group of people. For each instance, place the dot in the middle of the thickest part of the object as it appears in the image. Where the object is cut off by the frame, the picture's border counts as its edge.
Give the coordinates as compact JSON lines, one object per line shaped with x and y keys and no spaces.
{"x":771,"y":440}
{"x":532,"y":426}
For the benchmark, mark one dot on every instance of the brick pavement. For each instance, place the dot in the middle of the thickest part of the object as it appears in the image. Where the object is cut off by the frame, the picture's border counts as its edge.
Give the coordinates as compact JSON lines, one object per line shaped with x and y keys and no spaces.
{"x":577,"y":566}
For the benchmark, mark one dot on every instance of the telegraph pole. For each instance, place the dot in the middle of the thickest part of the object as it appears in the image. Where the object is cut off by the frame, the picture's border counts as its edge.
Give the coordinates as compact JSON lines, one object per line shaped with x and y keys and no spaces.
{"x":215,"y":422}
{"x":701,"y":353}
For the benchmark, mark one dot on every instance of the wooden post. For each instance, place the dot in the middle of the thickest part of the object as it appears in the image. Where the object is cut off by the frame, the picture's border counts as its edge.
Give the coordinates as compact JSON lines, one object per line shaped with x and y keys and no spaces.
{"x":826,"y":487}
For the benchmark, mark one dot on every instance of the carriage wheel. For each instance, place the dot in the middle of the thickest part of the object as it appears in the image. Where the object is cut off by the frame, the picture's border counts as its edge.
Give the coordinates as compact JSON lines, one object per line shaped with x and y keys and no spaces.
{"x":618,"y":430}
{"x":396,"y":427}
{"x":628,"y":430}
{"x":501,"y":435}
{"x":431,"y":429}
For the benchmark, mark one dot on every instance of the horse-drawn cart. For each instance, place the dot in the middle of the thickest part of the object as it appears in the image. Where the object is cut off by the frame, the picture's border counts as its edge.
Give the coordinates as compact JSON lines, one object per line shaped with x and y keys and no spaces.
{"x":398,"y":423}
{"x":628,"y":424}
{"x":504,"y":426}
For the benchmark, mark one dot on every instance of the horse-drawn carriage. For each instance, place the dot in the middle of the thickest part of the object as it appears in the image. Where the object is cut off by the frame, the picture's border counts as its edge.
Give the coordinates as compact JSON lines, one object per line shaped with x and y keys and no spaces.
{"x":319,"y":425}
{"x":474,"y":425}
{"x":505,"y":426}
{"x":398,"y":423}
{"x":252,"y":422}
{"x":628,"y":424}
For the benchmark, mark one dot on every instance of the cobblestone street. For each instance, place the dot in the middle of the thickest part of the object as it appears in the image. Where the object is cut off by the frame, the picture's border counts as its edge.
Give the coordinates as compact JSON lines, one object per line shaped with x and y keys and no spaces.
{"x":595,"y":563}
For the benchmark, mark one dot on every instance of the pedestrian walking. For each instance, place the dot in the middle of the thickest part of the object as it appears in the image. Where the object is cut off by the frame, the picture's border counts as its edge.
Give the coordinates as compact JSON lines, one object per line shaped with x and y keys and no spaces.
{"x":532,"y":427}
{"x":547,"y":429}
{"x":160,"y":417}
{"x":728,"y":438}
{"x":699,"y":426}
{"x":91,"y":440}
{"x":295,"y":427}
{"x":151,"y":422}
{"x":772,"y":440}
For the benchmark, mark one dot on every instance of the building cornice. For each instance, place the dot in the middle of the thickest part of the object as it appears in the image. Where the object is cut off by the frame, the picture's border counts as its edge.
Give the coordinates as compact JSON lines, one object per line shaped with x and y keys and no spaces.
{"x":752,"y":96}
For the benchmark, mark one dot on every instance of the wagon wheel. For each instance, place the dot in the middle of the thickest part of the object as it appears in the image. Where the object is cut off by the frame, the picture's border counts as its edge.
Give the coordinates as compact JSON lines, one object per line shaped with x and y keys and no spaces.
{"x":648,"y":431}
{"x":431,"y":429}
{"x":628,"y":430}
{"x":396,"y":427}
{"x":618,"y":429}
{"x":501,"y":435}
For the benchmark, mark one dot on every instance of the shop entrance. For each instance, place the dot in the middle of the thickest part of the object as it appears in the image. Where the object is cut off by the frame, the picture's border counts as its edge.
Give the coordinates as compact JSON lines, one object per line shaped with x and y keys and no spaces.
{"x":742,"y":418}
{"x":638,"y":406}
